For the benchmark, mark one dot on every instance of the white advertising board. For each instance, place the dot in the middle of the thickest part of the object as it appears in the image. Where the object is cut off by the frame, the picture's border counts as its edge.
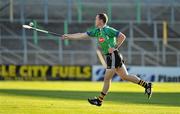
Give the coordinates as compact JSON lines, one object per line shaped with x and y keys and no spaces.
{"x":152,"y":74}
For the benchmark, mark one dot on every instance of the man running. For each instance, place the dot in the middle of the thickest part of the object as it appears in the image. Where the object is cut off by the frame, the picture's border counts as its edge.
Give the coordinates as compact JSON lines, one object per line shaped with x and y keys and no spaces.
{"x":110,"y":40}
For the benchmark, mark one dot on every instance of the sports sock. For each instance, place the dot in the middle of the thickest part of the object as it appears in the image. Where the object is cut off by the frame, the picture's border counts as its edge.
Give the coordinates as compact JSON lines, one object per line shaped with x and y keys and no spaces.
{"x":101,"y":96}
{"x":142,"y":83}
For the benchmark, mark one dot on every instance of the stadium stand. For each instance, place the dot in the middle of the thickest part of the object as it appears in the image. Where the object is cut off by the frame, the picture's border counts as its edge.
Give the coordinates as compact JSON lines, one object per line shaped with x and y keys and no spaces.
{"x":141,"y":22}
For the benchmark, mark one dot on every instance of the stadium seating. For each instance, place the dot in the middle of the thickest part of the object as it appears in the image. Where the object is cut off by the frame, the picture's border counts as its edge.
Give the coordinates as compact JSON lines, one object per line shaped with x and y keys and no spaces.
{"x":147,"y":49}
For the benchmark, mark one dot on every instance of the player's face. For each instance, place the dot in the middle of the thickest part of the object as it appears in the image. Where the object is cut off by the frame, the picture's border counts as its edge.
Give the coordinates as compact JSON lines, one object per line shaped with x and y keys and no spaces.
{"x":97,"y":21}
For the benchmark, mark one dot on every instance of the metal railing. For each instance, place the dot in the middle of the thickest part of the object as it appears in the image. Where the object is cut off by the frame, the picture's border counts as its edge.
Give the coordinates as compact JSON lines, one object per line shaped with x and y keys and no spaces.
{"x":77,"y":10}
{"x":157,"y":55}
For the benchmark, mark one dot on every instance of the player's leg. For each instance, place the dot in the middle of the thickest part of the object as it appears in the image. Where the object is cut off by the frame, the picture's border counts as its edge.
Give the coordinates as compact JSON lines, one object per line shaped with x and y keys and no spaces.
{"x":122,"y":72}
{"x":107,"y":82}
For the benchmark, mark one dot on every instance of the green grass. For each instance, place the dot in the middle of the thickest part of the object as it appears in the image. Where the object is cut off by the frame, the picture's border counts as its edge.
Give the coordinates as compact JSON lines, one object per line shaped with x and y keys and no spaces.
{"x":71,"y":98}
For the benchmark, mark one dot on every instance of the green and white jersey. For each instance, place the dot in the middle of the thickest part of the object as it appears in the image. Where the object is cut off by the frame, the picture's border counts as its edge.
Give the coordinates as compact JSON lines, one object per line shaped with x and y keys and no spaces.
{"x":105,"y":37}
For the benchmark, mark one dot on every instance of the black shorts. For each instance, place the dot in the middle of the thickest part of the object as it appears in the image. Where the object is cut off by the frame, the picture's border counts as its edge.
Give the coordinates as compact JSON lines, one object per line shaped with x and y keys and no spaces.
{"x":114,"y":60}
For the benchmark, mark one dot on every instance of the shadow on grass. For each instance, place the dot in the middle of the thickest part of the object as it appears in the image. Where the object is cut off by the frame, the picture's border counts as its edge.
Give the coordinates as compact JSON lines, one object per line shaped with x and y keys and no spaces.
{"x":166,"y":99}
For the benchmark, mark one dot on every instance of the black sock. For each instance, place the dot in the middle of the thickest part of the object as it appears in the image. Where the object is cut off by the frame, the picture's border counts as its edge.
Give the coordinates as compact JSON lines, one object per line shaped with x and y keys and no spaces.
{"x":101,"y":96}
{"x":142,"y":83}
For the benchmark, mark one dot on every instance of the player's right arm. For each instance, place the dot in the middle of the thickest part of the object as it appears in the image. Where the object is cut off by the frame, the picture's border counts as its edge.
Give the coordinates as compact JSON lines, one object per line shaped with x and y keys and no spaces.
{"x":75,"y":36}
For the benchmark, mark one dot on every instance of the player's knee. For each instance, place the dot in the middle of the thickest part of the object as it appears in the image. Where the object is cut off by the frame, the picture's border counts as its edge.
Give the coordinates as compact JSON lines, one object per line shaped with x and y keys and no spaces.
{"x":124,"y":77}
{"x":106,"y":78}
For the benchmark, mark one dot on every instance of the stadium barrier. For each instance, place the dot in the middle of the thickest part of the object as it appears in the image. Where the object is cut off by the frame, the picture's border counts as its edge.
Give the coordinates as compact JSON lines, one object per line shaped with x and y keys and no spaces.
{"x":152,"y":74}
{"x":45,"y":72}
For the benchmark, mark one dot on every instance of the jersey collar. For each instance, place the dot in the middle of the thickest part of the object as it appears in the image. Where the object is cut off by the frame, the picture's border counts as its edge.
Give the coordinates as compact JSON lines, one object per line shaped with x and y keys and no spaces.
{"x":103,"y":27}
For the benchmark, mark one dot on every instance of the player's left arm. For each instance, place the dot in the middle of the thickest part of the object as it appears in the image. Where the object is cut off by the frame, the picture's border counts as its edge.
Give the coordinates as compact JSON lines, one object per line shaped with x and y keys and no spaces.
{"x":120,"y":39}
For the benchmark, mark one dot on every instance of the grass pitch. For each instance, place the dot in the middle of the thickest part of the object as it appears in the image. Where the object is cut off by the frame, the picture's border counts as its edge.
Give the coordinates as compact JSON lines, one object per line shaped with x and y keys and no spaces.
{"x":71,"y":98}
